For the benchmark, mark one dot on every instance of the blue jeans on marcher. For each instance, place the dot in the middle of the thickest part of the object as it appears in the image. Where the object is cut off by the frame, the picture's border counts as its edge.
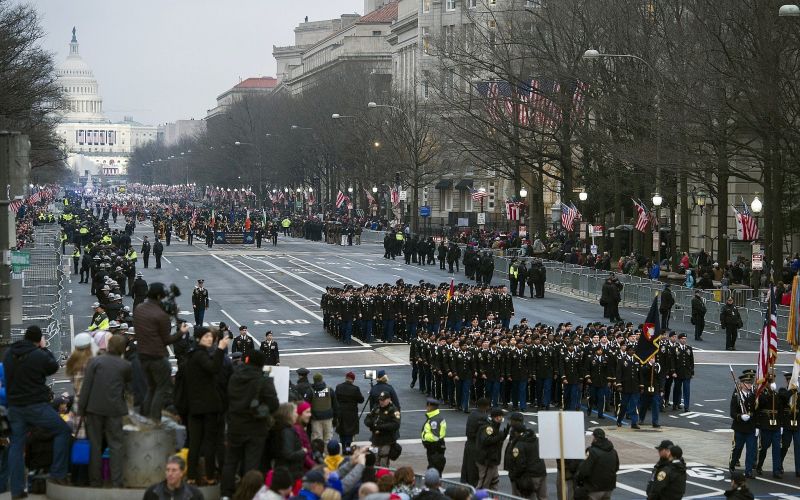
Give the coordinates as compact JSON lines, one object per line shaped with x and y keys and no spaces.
{"x":740,"y":439}
{"x":519,"y":391}
{"x":366,"y":328}
{"x":464,"y":386}
{"x":42,"y":415}
{"x":544,"y":390}
{"x":347,"y":330}
{"x":493,"y":391}
{"x":629,"y":405}
{"x":572,"y":397}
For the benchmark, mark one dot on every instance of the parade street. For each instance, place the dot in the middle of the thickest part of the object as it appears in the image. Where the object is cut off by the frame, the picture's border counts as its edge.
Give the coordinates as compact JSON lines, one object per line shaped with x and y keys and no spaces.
{"x":279,"y":288}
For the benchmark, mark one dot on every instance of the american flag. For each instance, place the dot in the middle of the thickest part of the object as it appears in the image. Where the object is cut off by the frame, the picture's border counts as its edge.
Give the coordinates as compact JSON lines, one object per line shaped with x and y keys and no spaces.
{"x":395,"y":197}
{"x":340,"y":199}
{"x":746,"y":227}
{"x":35,"y":197}
{"x":478,"y":195}
{"x":568,"y":216}
{"x":370,"y":198}
{"x":15,"y":205}
{"x":533,"y":101}
{"x":643,"y":219}
{"x":311,"y":198}
{"x":512,"y":210}
{"x":768,"y":346}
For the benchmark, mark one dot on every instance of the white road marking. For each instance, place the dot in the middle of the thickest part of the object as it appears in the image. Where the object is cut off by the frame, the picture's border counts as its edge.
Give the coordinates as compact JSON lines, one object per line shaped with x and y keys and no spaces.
{"x":230,"y":318}
{"x":269,"y":288}
{"x":166,"y":260}
{"x":714,"y":400}
{"x":565,"y":311}
{"x":329,"y":271}
{"x":177,"y":269}
{"x":631,"y":489}
{"x":185,"y":277}
{"x":356,"y":366}
{"x":71,"y":329}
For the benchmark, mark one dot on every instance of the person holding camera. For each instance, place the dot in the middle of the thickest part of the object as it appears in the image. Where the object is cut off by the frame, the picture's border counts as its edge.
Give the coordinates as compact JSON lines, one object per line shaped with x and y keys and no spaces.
{"x":27,"y":364}
{"x":203,"y":367}
{"x":384,"y":422}
{"x":153,"y":335}
{"x":251,"y":401}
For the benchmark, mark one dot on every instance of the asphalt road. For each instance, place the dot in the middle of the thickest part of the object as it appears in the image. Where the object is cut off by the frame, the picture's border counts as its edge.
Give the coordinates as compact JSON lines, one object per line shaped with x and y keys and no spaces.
{"x":278,"y":289}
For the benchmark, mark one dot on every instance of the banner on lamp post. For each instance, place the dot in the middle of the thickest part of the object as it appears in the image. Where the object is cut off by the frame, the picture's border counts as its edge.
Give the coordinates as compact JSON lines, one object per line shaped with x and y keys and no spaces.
{"x":656,"y":241}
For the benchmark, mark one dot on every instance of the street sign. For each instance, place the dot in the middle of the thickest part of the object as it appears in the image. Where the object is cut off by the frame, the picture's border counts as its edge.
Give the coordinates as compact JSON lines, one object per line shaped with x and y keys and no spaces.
{"x":481,"y":218}
{"x":360,"y":212}
{"x":298,"y":204}
{"x":425,"y":211}
{"x":523,"y":231}
{"x":20,"y":259}
{"x":596,"y":231}
{"x":757,"y":264}
{"x":593,"y":249}
{"x":656,"y":241}
{"x":403,"y":195}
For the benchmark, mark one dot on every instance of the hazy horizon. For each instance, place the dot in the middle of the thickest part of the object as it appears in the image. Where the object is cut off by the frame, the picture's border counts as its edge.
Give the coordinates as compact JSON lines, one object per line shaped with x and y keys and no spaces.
{"x":161,"y":61}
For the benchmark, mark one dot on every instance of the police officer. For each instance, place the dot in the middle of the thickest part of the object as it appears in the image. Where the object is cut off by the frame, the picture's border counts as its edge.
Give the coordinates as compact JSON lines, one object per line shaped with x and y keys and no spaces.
{"x":434,"y":431}
{"x":742,"y":409}
{"x":526,"y":470}
{"x":768,"y":423}
{"x":76,"y":258}
{"x":488,"y":450}
{"x":669,"y":480}
{"x":663,"y":461}
{"x":139,"y":290}
{"x":270,"y":349}
{"x":99,"y":318}
{"x":683,"y":373}
{"x":731,"y":321}
{"x":384,"y":422}
{"x":199,"y":302}
{"x":243,"y":343}
{"x":146,"y":251}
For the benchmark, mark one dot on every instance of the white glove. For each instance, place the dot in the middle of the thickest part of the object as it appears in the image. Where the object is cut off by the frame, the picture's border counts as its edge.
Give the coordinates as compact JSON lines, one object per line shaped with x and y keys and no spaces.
{"x":773,"y":386}
{"x":745,"y":417}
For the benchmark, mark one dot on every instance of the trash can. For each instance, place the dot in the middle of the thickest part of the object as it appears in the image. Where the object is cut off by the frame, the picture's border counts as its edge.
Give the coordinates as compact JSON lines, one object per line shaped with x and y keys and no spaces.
{"x":145,"y":453}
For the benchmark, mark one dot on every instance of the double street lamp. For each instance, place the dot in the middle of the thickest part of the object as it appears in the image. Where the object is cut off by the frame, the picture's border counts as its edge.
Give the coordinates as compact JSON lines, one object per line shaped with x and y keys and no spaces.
{"x":789,"y":10}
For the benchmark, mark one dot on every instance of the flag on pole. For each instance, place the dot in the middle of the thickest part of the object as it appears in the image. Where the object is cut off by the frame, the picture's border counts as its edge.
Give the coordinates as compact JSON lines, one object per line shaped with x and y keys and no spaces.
{"x":793,"y":336}
{"x":643,"y":218}
{"x":478,"y":195}
{"x":451,"y":290}
{"x":768,"y":346}
{"x":213,"y":221}
{"x":395,"y":197}
{"x":746,"y":227}
{"x":794,"y":382}
{"x":370,"y":198}
{"x":647,"y":347}
{"x":512,"y":210}
{"x":340,"y":199}
{"x":247,"y":222}
{"x":568,"y":216}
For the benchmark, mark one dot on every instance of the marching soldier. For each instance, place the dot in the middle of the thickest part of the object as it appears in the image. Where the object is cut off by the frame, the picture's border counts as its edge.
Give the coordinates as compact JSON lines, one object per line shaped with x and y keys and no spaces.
{"x":270,"y":349}
{"x":384,"y":422}
{"x":650,"y":381}
{"x":199,"y":302}
{"x":742,"y":409}
{"x":628,"y":383}
{"x":789,"y":418}
{"x":683,"y":373}
{"x":769,"y":410}
{"x":434,"y":431}
{"x":571,"y":376}
{"x":666,"y":359}
{"x":597,"y":377}
{"x":243,"y":343}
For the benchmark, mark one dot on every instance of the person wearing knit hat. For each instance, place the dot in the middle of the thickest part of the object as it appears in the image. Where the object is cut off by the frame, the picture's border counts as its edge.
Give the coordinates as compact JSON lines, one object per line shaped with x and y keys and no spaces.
{"x":300,"y":426}
{"x":324,"y":409}
{"x":348,"y":396}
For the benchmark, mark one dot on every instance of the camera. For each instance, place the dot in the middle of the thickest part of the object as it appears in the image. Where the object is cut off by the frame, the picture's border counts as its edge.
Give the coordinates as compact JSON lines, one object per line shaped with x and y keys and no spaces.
{"x":370,"y":374}
{"x":168,"y":303}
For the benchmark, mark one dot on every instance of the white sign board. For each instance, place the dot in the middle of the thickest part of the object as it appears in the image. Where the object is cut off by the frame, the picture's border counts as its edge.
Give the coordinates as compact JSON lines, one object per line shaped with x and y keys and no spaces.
{"x":481,"y":218}
{"x":280,"y":377}
{"x":569,"y":432}
{"x":403,"y":195}
{"x":757,"y":264}
{"x":593,"y":249}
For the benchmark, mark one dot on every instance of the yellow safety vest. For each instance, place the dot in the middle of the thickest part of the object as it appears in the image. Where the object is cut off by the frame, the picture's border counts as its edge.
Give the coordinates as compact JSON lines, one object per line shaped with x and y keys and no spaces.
{"x":435,"y":427}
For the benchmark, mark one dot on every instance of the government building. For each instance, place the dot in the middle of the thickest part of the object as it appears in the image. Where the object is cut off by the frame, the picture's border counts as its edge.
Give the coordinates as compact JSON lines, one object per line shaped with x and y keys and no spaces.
{"x":94,"y":144}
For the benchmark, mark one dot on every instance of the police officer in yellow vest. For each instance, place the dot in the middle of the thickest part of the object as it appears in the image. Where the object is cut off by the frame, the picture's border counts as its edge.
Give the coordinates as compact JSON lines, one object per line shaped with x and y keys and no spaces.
{"x":76,"y":259}
{"x":84,"y":232}
{"x":433,"y":433}
{"x":99,"y":319}
{"x":63,"y":242}
{"x":513,"y":276}
{"x":285,"y":223}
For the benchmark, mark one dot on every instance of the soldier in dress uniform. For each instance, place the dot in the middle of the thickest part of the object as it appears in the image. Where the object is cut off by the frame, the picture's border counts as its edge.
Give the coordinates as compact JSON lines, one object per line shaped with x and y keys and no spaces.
{"x":768,"y":423}
{"x":682,"y":373}
{"x":384,"y":422}
{"x":789,"y":419}
{"x":742,"y":410}
{"x":243,"y":343}
{"x":199,"y":302}
{"x":666,"y":359}
{"x":572,"y":374}
{"x":270,"y":349}
{"x":650,"y":381}
{"x":597,"y":377}
{"x":464,"y":370}
{"x":629,"y":384}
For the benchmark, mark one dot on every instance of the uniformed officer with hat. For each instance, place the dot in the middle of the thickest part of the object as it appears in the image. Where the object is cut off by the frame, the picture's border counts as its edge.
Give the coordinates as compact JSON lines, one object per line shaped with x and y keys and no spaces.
{"x":434,"y":431}
{"x":789,"y":419}
{"x":488,"y":450}
{"x":270,"y":349}
{"x":384,"y":422}
{"x":742,"y":409}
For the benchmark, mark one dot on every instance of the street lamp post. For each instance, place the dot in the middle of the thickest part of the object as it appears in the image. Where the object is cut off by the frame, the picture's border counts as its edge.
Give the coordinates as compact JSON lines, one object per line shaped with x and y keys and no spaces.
{"x":377,"y":209}
{"x":523,"y":193}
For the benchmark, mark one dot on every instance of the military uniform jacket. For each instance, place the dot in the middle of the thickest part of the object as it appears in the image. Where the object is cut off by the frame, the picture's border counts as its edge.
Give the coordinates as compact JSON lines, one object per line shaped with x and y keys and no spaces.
{"x":544,"y":362}
{"x":519,"y":363}
{"x":597,"y":370}
{"x":789,"y":415}
{"x":748,"y":402}
{"x":684,"y":362}
{"x":490,"y":363}
{"x":770,"y":408}
{"x":366,"y":307}
{"x":243,"y":344}
{"x":200,"y":297}
{"x":384,"y":424}
{"x":628,"y":376}
{"x":650,"y":376}
{"x":666,"y":357}
{"x":464,"y":364}
{"x":270,"y":350}
{"x":572,"y":367}
{"x":505,"y":306}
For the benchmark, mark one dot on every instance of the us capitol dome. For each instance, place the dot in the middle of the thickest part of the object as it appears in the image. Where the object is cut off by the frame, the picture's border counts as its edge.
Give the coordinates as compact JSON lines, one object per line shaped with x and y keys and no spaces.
{"x":81,"y":90}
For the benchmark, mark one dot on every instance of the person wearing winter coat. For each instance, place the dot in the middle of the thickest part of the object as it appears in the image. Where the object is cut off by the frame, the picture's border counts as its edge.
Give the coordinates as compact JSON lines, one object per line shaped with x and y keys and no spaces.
{"x":610,"y":297}
{"x":280,"y":486}
{"x":730,"y":320}
{"x":597,"y":475}
{"x":739,"y":489}
{"x":526,"y":470}
{"x":324,"y":409}
{"x":669,"y":477}
{"x":698,"y":315}
{"x":665,"y":308}
{"x":288,"y":453}
{"x":203,"y":366}
{"x":348,"y":396}
{"x":488,"y":450}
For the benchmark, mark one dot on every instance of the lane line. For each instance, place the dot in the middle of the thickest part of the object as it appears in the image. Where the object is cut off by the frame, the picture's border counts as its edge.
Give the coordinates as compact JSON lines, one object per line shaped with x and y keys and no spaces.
{"x":328,"y":271}
{"x":293,"y":275}
{"x":325,"y":352}
{"x":71,"y":330}
{"x":269,"y":288}
{"x":373,"y":365}
{"x":166,"y":260}
{"x":230,"y":318}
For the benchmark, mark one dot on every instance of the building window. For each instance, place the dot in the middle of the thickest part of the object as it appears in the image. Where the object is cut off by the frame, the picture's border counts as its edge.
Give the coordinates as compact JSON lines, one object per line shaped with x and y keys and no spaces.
{"x":376,"y":33}
{"x":469,"y":36}
{"x":425,"y":89}
{"x":533,"y":4}
{"x":472,"y":4}
{"x":447,"y":200}
{"x":426,"y":40}
{"x":468,"y":205}
{"x":426,"y":5}
{"x":450,"y":5}
{"x":449,"y":37}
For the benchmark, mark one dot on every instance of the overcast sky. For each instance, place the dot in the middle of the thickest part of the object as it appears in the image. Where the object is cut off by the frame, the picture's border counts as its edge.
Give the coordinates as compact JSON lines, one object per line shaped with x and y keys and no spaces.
{"x":164,"y":60}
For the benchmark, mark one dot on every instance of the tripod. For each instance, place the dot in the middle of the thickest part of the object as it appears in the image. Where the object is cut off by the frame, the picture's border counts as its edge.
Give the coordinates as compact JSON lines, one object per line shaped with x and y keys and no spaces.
{"x":366,"y":402}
